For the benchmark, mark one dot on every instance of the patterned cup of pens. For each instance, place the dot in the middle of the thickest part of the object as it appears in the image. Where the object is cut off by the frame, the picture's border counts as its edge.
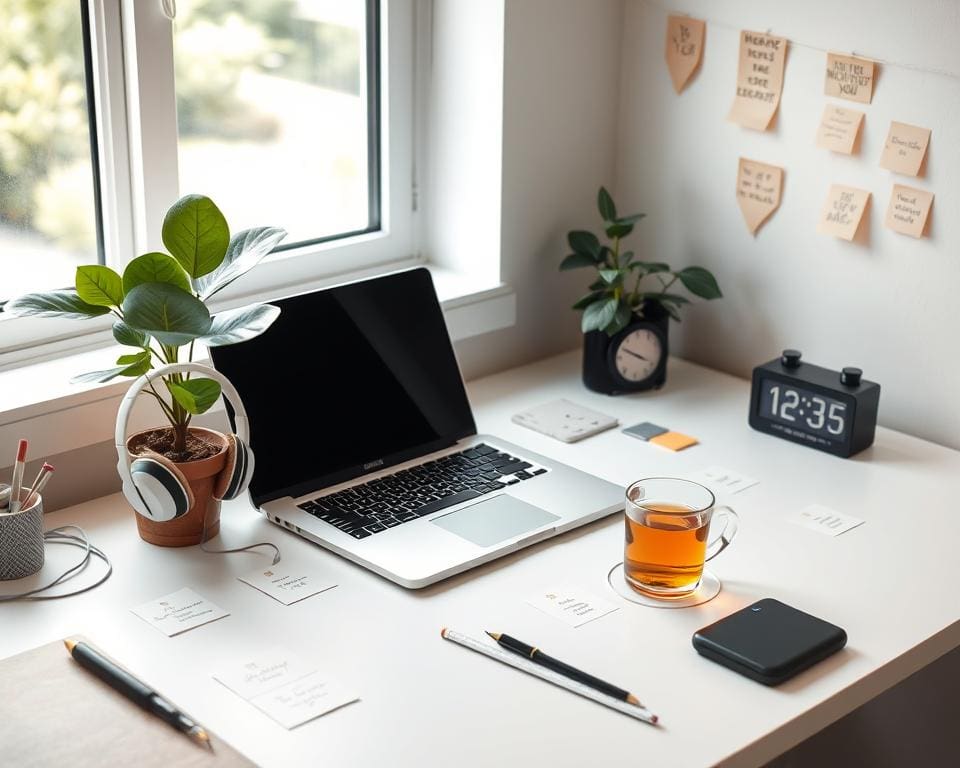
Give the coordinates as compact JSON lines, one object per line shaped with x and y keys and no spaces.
{"x":21,"y":538}
{"x":668,"y":537}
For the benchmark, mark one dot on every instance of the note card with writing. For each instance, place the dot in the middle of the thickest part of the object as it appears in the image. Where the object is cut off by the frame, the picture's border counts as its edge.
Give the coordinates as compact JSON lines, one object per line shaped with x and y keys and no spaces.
{"x":684,"y":48}
{"x":908,"y":210}
{"x":843,"y":211}
{"x":284,"y":687}
{"x":839,"y":128}
{"x":824,"y":520}
{"x":759,"y":80}
{"x":905,"y":148}
{"x":758,"y":191}
{"x":286,"y":583}
{"x":849,"y":78}
{"x":571,"y":605}
{"x":179,"y":611}
{"x":723,"y":480}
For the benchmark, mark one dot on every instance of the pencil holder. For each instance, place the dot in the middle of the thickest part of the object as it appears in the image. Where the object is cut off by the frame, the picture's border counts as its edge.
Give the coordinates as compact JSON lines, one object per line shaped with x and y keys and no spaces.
{"x":21,"y":542}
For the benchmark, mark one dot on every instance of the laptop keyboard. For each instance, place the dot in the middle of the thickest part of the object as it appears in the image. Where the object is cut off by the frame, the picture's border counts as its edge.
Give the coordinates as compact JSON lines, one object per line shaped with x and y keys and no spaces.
{"x":389,"y":501}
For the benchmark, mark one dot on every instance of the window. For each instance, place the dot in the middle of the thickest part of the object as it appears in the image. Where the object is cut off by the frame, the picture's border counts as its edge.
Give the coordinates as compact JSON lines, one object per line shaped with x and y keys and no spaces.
{"x":48,"y":216}
{"x":293,"y":113}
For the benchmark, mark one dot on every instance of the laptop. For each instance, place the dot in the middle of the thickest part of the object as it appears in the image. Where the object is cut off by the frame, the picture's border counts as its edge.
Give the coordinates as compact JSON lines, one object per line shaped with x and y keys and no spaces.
{"x":366,"y":445}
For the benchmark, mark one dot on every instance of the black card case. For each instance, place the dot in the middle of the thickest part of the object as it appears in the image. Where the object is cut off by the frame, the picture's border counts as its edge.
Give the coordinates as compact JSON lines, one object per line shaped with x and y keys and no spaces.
{"x":769,"y":641}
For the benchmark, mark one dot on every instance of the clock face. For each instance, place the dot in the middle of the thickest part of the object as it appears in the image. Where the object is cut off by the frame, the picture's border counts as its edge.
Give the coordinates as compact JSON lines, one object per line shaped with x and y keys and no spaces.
{"x":638,"y":355}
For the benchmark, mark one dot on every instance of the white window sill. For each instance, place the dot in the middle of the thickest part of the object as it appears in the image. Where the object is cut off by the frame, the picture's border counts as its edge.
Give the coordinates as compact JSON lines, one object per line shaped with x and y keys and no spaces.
{"x":38,"y":402}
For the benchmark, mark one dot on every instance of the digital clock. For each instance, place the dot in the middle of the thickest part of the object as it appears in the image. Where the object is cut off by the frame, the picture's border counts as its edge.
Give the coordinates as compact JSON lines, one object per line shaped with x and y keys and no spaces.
{"x":833,"y":411}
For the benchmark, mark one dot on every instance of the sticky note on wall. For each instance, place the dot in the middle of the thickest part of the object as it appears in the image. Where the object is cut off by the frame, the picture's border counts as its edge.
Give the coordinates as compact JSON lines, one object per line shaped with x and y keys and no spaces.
{"x":839,"y":128}
{"x":758,"y":191}
{"x":908,"y":210}
{"x":843,"y":211}
{"x":759,"y":79}
{"x":684,"y":48}
{"x":849,"y":77}
{"x":905,"y":148}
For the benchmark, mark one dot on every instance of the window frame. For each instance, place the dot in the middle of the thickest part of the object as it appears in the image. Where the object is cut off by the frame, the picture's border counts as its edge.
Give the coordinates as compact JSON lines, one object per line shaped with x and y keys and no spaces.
{"x":132,"y":56}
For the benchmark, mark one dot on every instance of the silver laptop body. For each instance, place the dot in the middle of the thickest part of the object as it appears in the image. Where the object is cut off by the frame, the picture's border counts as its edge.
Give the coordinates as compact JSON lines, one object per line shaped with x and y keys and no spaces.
{"x":484,"y":497}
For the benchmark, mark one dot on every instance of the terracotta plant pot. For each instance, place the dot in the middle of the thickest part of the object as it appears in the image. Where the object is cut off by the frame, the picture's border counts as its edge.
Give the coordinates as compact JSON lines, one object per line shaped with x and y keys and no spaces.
{"x":188,"y":529}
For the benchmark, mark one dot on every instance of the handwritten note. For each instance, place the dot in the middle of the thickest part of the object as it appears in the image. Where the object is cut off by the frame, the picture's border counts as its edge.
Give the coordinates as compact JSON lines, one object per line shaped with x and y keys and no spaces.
{"x":759,"y":80}
{"x":723,"y":480}
{"x":849,"y":78}
{"x":908,"y":210}
{"x":571,"y":605}
{"x":824,"y":520}
{"x":286,"y":584}
{"x":839,"y":128}
{"x":684,"y":48}
{"x":843,"y":211}
{"x":758,"y":191}
{"x":905,"y":148}
{"x":179,"y":611}
{"x":284,"y":687}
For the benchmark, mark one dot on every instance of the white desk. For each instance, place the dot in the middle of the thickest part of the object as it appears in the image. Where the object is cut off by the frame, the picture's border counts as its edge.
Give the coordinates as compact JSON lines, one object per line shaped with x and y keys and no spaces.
{"x":427,"y":702}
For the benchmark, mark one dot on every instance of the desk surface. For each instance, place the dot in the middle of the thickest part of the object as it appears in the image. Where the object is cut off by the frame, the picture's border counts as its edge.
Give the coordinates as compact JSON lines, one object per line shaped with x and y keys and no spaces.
{"x":429,"y":702}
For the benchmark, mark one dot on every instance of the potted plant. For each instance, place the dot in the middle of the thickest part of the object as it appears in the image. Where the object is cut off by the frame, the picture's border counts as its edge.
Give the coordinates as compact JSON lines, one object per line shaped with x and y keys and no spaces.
{"x":627,"y":295}
{"x":160,"y":306}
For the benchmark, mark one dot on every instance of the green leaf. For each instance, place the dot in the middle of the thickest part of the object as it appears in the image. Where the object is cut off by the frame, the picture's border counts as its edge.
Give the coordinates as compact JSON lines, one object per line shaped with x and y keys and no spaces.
{"x":99,"y":285}
{"x":167,"y":313}
{"x":585,"y":243}
{"x":587,"y":300}
{"x":577,"y":260}
{"x":619,"y":230}
{"x":676,"y":298}
{"x":620,"y":319}
{"x":130,"y":365}
{"x":245,"y":251}
{"x":196,"y":234}
{"x":598,"y":285}
{"x":155,"y":268}
{"x":633,"y":219}
{"x":240,"y":324}
{"x":598,"y":315}
{"x":650,"y":267}
{"x":612,"y":276}
{"x":605,"y":205}
{"x":129,"y":337}
{"x":700,"y":282}
{"x":672,"y":311}
{"x":64,"y":303}
{"x":626,"y":258}
{"x":195,"y":395}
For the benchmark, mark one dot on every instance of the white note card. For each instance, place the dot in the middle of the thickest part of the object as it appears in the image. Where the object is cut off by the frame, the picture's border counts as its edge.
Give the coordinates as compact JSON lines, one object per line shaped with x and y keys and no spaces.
{"x":825,"y":520}
{"x":723,"y":480}
{"x":571,"y":605}
{"x":178,"y":612}
{"x":284,"y":687}
{"x":286,"y":583}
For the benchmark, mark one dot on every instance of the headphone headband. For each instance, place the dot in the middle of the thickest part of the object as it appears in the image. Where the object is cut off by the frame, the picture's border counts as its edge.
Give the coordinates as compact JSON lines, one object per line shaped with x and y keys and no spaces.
{"x":229,"y":392}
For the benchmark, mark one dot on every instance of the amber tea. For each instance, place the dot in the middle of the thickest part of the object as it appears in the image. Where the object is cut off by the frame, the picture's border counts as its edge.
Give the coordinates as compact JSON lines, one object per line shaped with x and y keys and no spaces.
{"x":667,"y":550}
{"x":667,"y":535}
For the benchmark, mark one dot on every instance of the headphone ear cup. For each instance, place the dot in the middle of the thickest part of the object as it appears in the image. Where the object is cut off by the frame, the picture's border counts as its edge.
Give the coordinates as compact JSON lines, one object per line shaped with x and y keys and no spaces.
{"x":235,"y":477}
{"x":161,"y":487}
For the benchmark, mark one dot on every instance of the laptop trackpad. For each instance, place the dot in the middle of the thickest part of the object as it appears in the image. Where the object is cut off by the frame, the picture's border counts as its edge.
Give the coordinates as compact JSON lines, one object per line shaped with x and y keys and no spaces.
{"x":490,"y":522}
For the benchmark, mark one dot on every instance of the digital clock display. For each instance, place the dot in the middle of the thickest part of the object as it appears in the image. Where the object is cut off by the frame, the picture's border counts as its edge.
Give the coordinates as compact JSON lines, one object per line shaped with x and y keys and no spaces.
{"x":801,"y":412}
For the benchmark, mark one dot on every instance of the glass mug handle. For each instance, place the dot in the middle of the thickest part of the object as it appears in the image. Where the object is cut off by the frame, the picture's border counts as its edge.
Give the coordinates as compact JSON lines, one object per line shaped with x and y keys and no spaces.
{"x":727,"y":533}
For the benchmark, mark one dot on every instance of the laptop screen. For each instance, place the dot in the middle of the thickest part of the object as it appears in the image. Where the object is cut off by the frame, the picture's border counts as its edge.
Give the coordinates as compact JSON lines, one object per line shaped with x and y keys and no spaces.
{"x":348,"y":380}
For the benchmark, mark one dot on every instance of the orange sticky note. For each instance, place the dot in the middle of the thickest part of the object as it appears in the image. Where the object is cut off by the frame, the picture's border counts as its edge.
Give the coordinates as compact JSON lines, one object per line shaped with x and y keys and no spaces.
{"x":759,"y":80}
{"x":849,"y":77}
{"x":908,"y":210}
{"x":904,"y":149}
{"x":843,"y":211}
{"x":674,"y":441}
{"x":684,"y":48}
{"x":758,"y":191}
{"x":839,"y":128}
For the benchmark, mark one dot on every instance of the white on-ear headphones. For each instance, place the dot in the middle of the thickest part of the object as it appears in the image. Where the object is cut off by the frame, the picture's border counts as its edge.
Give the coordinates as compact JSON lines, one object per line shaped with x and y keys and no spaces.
{"x":152,"y":484}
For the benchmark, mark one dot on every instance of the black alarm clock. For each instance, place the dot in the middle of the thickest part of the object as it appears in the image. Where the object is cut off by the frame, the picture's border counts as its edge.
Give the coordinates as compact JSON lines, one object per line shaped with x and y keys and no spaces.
{"x":632,"y":360}
{"x":832,"y":411}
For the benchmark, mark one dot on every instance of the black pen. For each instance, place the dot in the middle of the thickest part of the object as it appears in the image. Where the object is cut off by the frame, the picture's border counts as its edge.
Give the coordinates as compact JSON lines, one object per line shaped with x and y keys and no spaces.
{"x":535,"y":654}
{"x":139,"y":693}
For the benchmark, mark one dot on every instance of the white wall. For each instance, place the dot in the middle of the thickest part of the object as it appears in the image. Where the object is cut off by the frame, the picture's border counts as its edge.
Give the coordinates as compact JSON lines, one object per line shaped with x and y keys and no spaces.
{"x":561,"y":75}
{"x":889,"y":306}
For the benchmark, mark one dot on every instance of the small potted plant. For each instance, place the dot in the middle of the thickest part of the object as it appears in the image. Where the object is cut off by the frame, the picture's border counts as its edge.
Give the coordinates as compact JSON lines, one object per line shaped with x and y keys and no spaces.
{"x":160,"y":306}
{"x":628,"y":297}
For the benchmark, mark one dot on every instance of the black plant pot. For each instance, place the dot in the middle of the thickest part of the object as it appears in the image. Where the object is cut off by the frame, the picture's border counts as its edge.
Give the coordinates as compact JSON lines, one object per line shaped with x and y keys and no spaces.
{"x":599,"y":372}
